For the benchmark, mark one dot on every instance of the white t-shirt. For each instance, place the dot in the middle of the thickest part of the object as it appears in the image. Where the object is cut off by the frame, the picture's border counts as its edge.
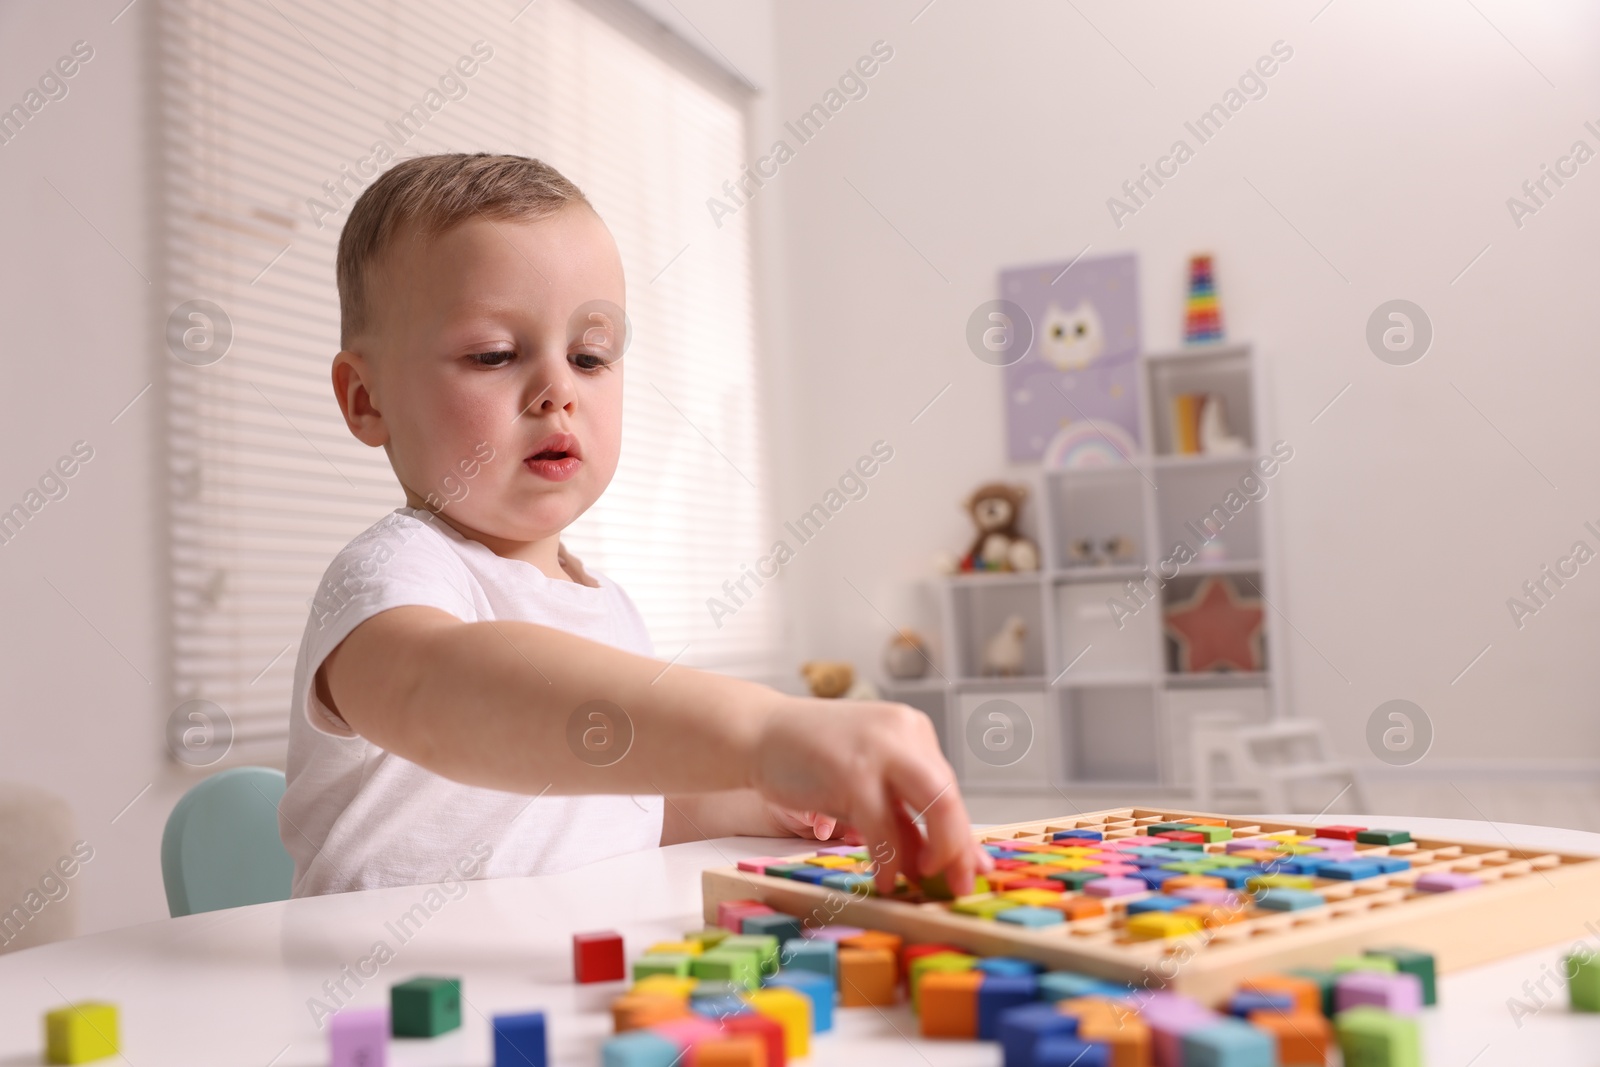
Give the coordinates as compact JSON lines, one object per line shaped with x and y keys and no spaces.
{"x":355,"y":816}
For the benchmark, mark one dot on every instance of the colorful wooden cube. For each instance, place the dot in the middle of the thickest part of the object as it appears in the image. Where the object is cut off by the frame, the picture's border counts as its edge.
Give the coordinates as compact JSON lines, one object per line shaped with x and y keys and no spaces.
{"x":1022,"y":1028}
{"x":1378,"y":837}
{"x":663,"y":963}
{"x":597,"y":957}
{"x":948,"y":1003}
{"x":1399,"y":993}
{"x":999,"y":993}
{"x":1154,"y":925}
{"x":1059,"y":1051}
{"x":640,"y":1048}
{"x":1582,"y":970}
{"x":740,"y":966}
{"x":809,"y":954}
{"x":1410,"y":961}
{"x":764,"y":1029}
{"x":742,"y":1051}
{"x":781,"y":926}
{"x":790,"y":1010}
{"x":818,"y":988}
{"x":81,"y":1033}
{"x":1303,"y":1037}
{"x":1306,"y":994}
{"x":1229,"y":1043}
{"x":519,"y":1040}
{"x":1032,"y":917}
{"x":731,"y":913}
{"x":359,"y":1037}
{"x":635,"y":1011}
{"x":1372,"y":1037}
{"x":934,"y":963}
{"x":765,"y":946}
{"x":425,"y":1007}
{"x":867,"y":977}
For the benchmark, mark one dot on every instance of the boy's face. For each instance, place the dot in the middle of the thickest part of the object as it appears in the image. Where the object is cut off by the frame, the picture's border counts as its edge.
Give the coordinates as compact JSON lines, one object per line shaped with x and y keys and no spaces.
{"x":496,"y":393}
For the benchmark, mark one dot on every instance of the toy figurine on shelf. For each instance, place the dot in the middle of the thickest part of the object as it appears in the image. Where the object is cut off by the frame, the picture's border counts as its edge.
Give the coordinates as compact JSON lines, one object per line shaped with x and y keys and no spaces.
{"x":999,"y":545}
{"x":1202,"y":320}
{"x":836,"y":680}
{"x":1004,"y":652}
{"x":1117,"y":549}
{"x":905,"y":659}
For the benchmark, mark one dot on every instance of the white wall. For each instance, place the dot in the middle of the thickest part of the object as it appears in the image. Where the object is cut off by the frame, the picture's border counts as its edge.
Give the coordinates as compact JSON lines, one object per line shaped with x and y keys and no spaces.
{"x":1390,"y":142}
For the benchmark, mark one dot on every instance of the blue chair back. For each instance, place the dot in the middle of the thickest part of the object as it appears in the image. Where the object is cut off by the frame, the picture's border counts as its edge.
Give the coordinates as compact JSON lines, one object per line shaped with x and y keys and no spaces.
{"x":221,"y":847}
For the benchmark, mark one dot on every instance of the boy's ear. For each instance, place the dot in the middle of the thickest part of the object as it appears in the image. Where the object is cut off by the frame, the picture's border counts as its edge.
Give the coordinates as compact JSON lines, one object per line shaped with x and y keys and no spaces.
{"x":351,"y":375}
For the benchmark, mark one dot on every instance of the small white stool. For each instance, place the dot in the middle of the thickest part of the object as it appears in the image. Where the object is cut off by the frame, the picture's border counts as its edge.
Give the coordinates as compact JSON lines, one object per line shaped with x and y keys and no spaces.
{"x":1268,"y":758}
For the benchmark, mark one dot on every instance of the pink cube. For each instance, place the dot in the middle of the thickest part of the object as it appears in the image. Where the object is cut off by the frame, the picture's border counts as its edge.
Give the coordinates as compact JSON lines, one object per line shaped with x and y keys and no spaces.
{"x":831,"y":932}
{"x":1446,"y":882}
{"x":1330,"y":844}
{"x":1115,"y":887}
{"x":1400,"y":993}
{"x":1116,"y":869}
{"x":687,"y":1031}
{"x":1209,"y":895}
{"x":731,"y":913}
{"x":759,"y":864}
{"x":358,"y":1037}
{"x":1248,"y":844}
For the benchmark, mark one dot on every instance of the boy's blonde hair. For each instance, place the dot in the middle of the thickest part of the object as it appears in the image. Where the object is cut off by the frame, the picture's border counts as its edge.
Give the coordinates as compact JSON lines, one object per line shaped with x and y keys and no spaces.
{"x":430,"y":194}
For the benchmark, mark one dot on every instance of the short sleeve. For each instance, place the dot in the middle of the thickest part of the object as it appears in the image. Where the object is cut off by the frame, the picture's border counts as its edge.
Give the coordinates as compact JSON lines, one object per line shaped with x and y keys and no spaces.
{"x":398,"y":562}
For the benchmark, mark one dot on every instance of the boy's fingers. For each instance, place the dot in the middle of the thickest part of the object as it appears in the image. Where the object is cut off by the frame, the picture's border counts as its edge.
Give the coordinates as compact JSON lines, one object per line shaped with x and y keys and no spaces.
{"x":949,"y":840}
{"x":872,"y":819}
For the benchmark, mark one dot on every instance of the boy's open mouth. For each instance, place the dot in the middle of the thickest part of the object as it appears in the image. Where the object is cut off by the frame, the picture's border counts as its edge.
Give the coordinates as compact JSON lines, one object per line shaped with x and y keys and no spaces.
{"x":557,"y":457}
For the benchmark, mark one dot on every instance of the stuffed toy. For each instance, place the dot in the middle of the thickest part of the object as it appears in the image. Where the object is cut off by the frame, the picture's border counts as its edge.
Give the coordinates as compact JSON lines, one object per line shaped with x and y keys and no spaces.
{"x":835,"y":679}
{"x":995,"y":509}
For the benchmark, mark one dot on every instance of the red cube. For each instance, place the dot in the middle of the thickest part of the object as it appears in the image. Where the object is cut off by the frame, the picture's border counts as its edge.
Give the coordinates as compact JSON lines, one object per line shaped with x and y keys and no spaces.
{"x":597,"y":957}
{"x":767,"y":1030}
{"x":1340,"y":833}
{"x":1189,"y":836}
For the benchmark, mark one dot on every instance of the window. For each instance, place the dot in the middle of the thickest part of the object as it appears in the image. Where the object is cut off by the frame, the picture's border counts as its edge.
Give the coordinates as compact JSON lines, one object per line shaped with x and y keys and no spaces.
{"x":267,"y":109}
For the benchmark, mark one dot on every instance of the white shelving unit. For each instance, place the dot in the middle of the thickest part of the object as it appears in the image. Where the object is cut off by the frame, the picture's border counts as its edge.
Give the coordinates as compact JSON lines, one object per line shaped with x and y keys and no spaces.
{"x":1102,"y":702}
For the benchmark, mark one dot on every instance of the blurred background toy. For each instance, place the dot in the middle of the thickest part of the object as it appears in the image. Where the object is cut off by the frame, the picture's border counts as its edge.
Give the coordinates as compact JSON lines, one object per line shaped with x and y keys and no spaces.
{"x":1202,"y":319}
{"x":836,"y":679}
{"x":905,"y":658}
{"x":999,"y":545}
{"x":1003,"y":653}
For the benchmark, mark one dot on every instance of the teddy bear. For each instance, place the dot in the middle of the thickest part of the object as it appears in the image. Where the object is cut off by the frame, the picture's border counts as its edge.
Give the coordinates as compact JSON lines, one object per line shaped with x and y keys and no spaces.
{"x":995,"y":509}
{"x":835,"y":679}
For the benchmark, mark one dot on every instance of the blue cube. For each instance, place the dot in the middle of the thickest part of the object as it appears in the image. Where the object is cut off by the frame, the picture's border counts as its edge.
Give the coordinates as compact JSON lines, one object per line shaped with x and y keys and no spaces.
{"x":1070,"y":1052}
{"x":1390,"y":864}
{"x":1349,"y":870}
{"x":1027,"y":915}
{"x":817,"y":988}
{"x":1246,"y":1001}
{"x":1065,"y":985}
{"x":717,"y":1008}
{"x":812,"y":954}
{"x":780,"y":926}
{"x":999,"y":993}
{"x":1229,"y":1043}
{"x":1086,"y":835}
{"x":639,"y":1048}
{"x":519,"y":1040}
{"x":810,"y":872}
{"x":1238,"y":877}
{"x":1279,"y":899}
{"x":1139,"y":907}
{"x":1008,"y":965}
{"x":1022,"y":1028}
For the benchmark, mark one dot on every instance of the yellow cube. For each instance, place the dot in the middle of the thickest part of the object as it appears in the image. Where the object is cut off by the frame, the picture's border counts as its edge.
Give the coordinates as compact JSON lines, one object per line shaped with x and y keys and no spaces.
{"x":1076,"y":864}
{"x":80,"y":1032}
{"x":1155,"y":925}
{"x":837,"y":863}
{"x":676,"y":948}
{"x":790,"y":1009}
{"x":1035,"y":897}
{"x":670,"y":984}
{"x":1279,"y":881}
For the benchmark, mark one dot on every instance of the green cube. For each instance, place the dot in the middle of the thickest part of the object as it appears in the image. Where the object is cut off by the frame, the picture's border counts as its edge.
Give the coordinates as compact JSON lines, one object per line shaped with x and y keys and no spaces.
{"x":425,"y":1007}
{"x":80,"y":1033}
{"x":1583,"y":982}
{"x":1372,"y":1037}
{"x":1164,"y":827}
{"x":710,"y":937}
{"x":736,"y":966}
{"x":1383,"y":837}
{"x":1382,"y":964}
{"x":1410,"y":961}
{"x":1213,"y":834}
{"x":982,"y":905}
{"x":673,"y":963}
{"x":783,"y":870}
{"x":1075,"y":879}
{"x":765,"y":947}
{"x":1326,"y":981}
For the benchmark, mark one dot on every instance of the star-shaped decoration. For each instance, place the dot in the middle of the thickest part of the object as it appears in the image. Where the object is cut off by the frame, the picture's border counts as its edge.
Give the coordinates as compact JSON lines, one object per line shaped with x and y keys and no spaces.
{"x":1216,"y":629}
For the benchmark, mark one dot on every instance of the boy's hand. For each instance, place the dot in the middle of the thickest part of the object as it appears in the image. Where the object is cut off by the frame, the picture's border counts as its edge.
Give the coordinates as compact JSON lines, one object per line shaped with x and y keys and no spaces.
{"x":802,"y":823}
{"x":875,"y":767}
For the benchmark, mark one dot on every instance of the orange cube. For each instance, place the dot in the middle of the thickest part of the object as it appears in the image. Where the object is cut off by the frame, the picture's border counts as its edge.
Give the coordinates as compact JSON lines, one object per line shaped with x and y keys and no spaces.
{"x":867,"y":977}
{"x":1076,"y":907}
{"x":742,"y":1051}
{"x":1192,"y":881}
{"x":634,"y":1011}
{"x":1123,"y":1032}
{"x":873,"y":939}
{"x":1307,"y":994}
{"x":1303,"y":1036}
{"x":1212,"y":916}
{"x":948,"y":1004}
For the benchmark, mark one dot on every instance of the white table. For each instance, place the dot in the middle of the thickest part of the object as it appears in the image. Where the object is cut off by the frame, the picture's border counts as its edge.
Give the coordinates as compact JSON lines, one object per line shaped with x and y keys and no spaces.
{"x":232,"y":987}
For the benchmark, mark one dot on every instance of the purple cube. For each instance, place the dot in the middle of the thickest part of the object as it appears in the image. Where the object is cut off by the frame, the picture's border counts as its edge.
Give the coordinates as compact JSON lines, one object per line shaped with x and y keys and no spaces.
{"x":1209,"y":895}
{"x":1446,"y":882}
{"x":831,"y":932}
{"x":1116,"y":886}
{"x":1399,"y":992}
{"x":358,"y":1037}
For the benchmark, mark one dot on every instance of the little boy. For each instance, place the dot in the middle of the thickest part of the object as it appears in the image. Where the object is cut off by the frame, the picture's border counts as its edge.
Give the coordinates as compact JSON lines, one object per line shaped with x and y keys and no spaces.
{"x":469,"y":700}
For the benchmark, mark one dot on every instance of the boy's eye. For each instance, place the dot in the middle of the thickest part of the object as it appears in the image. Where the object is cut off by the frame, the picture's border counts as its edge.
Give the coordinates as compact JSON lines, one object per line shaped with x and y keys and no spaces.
{"x":492,"y":359}
{"x":591,"y":361}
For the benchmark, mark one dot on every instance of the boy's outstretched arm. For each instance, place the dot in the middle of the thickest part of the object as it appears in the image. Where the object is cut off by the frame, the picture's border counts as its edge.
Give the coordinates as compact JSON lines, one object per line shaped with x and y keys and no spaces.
{"x":489,"y":704}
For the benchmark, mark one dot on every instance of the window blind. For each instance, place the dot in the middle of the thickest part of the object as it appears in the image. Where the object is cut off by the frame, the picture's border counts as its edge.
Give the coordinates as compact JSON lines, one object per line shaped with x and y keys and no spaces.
{"x":272,"y":114}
